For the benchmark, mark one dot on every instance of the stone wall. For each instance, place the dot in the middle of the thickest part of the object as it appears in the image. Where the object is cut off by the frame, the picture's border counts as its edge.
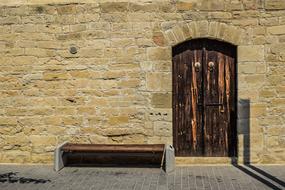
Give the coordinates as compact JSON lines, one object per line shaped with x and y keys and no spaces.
{"x":117,"y":88}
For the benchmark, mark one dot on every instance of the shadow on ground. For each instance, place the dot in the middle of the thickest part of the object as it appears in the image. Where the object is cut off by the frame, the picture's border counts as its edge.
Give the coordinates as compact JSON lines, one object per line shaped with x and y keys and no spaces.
{"x":261,"y":176}
{"x":11,"y":177}
{"x":253,"y":171}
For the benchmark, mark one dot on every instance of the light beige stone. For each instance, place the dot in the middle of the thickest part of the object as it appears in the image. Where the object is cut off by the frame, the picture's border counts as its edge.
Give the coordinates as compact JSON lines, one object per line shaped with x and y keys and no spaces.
{"x":117,"y":120}
{"x":158,"y":54}
{"x":274,"y":4}
{"x":55,"y":76}
{"x":257,"y":110}
{"x":158,"y":81}
{"x":276,"y":30}
{"x":179,"y":34}
{"x":185,"y":6}
{"x":110,"y":7}
{"x":16,"y":156}
{"x":37,"y":140}
{"x":162,"y":128}
{"x":161,"y":100}
{"x":25,"y":60}
{"x":186,"y":161}
{"x":251,"y":53}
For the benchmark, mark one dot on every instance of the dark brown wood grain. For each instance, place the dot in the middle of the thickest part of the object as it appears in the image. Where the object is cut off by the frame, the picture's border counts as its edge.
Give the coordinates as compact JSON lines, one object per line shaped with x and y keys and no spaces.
{"x":204,"y":99}
{"x":113,"y":148}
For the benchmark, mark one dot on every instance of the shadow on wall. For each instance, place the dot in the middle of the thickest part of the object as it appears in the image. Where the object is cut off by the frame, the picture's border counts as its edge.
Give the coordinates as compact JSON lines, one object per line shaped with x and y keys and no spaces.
{"x":244,"y":117}
{"x":12,"y":177}
{"x":244,"y":131}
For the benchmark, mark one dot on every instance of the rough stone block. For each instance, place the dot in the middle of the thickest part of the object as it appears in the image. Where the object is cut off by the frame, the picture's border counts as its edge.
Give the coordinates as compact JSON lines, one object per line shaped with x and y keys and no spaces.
{"x":91,"y":52}
{"x":158,"y":81}
{"x":276,"y":30}
{"x":170,"y":37}
{"x":213,"y":29}
{"x":213,"y":5}
{"x":118,"y":120}
{"x":37,"y":140}
{"x":162,"y":128}
{"x":257,"y":110}
{"x":66,"y":9}
{"x":274,"y":4}
{"x":110,"y":7}
{"x":55,"y":76}
{"x":10,"y":20}
{"x":143,"y":7}
{"x":159,"y":53}
{"x":203,"y":28}
{"x":16,"y":156}
{"x":40,"y":52}
{"x":185,"y":6}
{"x":161,"y":100}
{"x":158,"y":38}
{"x":251,"y":53}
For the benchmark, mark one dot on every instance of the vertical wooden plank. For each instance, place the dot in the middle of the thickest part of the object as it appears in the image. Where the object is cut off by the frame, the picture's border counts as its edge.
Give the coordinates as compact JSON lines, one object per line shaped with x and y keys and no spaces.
{"x":228,"y":96}
{"x":174,"y":99}
{"x":196,"y":120}
{"x":180,"y":104}
{"x":194,"y":90}
{"x":188,"y":110}
{"x":221,"y":97}
{"x":183,"y":70}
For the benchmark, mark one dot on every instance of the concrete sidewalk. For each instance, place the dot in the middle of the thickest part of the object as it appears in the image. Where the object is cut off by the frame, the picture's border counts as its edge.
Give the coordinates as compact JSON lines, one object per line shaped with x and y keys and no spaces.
{"x":192,"y":177}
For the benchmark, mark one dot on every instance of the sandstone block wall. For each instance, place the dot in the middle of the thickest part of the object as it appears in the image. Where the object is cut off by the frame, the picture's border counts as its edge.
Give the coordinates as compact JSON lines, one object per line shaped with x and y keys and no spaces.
{"x":117,"y":88}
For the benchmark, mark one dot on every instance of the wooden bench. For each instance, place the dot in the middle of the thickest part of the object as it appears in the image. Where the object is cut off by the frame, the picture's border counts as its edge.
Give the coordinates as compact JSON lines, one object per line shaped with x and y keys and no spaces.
{"x":69,"y":154}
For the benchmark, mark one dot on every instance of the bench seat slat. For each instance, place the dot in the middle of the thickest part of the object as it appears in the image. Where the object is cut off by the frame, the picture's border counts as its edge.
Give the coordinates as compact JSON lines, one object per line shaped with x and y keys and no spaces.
{"x":113,"y":148}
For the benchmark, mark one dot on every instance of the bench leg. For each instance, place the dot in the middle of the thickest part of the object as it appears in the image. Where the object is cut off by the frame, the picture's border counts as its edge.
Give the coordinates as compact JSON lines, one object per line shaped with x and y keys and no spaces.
{"x":59,"y":159}
{"x":169,"y":159}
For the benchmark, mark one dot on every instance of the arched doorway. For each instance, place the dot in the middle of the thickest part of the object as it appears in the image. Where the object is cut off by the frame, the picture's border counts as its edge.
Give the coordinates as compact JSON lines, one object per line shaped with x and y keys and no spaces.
{"x":204,"y":98}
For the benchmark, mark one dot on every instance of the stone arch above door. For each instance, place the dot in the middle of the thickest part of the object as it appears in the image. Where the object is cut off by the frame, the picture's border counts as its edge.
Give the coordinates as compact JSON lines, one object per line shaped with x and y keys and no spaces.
{"x":203,"y":29}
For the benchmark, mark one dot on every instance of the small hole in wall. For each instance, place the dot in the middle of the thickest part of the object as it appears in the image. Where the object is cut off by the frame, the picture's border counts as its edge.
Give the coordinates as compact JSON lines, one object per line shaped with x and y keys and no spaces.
{"x":71,"y":100}
{"x":73,"y":50}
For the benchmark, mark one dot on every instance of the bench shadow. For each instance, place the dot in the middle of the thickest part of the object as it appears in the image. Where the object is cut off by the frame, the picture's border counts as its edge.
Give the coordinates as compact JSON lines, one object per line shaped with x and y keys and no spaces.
{"x":113,"y":166}
{"x":257,"y":173}
{"x":11,"y":177}
{"x":126,"y":160}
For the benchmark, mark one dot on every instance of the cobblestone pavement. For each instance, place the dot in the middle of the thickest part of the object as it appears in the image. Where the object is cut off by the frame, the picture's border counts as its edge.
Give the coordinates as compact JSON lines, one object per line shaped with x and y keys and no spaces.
{"x":193,"y":177}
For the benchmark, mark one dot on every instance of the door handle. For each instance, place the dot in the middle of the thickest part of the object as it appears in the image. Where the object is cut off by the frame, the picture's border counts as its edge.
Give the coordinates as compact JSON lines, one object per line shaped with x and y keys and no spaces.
{"x":197,"y":66}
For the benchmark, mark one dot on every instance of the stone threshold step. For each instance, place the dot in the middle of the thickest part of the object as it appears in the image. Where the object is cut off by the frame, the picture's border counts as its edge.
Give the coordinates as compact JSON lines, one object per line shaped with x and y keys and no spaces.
{"x":184,"y":161}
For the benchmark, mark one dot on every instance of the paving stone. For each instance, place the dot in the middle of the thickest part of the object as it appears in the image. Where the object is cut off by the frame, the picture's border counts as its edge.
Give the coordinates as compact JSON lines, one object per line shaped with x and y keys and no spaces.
{"x":190,"y":177}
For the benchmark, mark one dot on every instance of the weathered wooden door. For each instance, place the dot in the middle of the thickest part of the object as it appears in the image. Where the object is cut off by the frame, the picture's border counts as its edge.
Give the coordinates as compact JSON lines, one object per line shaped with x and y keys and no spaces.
{"x":204,"y":98}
